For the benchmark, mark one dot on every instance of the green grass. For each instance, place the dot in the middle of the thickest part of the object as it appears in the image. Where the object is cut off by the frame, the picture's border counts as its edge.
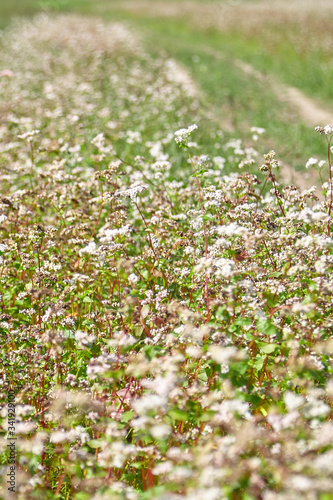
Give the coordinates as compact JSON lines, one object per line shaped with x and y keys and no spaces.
{"x":305,"y":66}
{"x":8,"y":10}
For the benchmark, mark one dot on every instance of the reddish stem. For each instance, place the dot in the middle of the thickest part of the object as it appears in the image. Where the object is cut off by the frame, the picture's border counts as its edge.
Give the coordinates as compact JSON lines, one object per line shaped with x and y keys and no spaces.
{"x":331,"y":187}
{"x":205,"y":237}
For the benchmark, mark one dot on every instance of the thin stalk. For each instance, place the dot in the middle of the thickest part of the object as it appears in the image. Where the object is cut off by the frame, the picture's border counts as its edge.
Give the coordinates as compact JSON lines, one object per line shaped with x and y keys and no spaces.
{"x":277,"y":194}
{"x":205,"y":235}
{"x":152,"y":247}
{"x":331,"y":187}
{"x":99,"y":215}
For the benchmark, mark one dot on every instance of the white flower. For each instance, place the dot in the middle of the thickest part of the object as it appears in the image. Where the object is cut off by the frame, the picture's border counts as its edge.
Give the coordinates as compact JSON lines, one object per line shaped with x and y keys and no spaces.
{"x":108,"y":235}
{"x":133,"y":136}
{"x":321,"y":265}
{"x":132,"y":192}
{"x":327,"y":130}
{"x":318,"y":240}
{"x":325,"y":462}
{"x":160,"y":431}
{"x":83,"y":338}
{"x":222,"y":355}
{"x":279,"y":422}
{"x":148,"y":402}
{"x":257,"y":131}
{"x":298,"y":307}
{"x":292,"y":400}
{"x":316,"y":408}
{"x":224,"y":267}
{"x":120,"y":339}
{"x":311,"y":162}
{"x":2,"y":218}
{"x":24,"y":410}
{"x":231,"y":407}
{"x":221,"y":268}
{"x":182,"y":135}
{"x":154,"y":220}
{"x":90,"y":248}
{"x":162,"y":468}
{"x":133,"y":278}
{"x":189,"y":250}
{"x":300,"y":483}
{"x":25,"y":427}
{"x":98,"y":141}
{"x":28,"y":136}
{"x":232,"y":229}
{"x":219,"y":161}
{"x":194,"y":351}
{"x":308,"y":216}
{"x":154,"y":241}
{"x":69,"y":436}
{"x":161,"y":385}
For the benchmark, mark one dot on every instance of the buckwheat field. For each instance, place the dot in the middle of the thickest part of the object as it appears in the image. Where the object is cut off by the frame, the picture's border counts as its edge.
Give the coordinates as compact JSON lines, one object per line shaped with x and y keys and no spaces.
{"x":166,"y":297}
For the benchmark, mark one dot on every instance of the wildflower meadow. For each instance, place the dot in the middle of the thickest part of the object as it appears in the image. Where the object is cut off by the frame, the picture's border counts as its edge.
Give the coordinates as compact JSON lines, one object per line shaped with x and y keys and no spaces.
{"x":166,"y":304}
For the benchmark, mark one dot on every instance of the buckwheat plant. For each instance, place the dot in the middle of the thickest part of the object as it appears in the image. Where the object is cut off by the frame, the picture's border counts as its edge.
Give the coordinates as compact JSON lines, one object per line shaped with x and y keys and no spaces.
{"x":327,"y":131}
{"x":167,"y":334}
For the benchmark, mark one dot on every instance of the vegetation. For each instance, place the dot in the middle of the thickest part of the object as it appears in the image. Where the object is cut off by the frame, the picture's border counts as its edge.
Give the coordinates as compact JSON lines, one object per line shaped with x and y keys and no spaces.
{"x":166,"y":300}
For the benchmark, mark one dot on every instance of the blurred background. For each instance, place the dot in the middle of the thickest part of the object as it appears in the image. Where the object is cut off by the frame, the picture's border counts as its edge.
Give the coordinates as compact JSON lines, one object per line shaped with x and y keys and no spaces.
{"x":265,"y":63}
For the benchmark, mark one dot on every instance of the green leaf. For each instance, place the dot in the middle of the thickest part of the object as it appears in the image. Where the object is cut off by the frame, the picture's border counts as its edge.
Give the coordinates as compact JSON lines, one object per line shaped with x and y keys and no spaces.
{"x":221,"y":313}
{"x":267,"y":327}
{"x":239,"y":367}
{"x":96,"y":443}
{"x":309,"y":299}
{"x":127,"y":416}
{"x":177,"y":414}
{"x":145,"y":311}
{"x":206,"y":417}
{"x":207,"y":218}
{"x":68,"y":334}
{"x":271,"y":299}
{"x":243,"y":322}
{"x":137,"y":465}
{"x":200,"y":172}
{"x":259,"y":362}
{"x":253,"y":399}
{"x":152,"y":351}
{"x":267,"y":348}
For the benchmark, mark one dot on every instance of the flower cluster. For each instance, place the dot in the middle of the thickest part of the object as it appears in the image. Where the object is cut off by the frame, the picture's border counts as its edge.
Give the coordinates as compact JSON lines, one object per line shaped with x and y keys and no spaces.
{"x":182,"y":135}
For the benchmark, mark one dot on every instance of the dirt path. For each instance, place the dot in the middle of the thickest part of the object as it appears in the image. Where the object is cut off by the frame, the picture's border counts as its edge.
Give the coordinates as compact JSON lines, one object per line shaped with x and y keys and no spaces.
{"x":308,"y":109}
